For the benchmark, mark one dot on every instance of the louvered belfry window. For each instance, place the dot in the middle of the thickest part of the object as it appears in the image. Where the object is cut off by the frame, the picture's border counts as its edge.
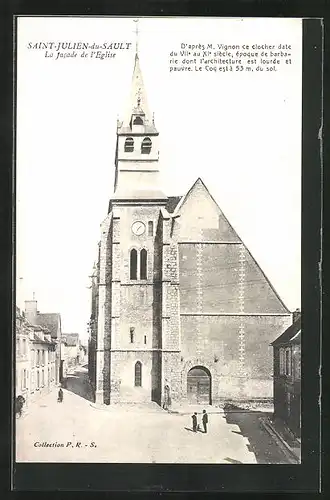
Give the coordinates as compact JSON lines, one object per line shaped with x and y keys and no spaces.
{"x":129,"y":145}
{"x":146,"y":145}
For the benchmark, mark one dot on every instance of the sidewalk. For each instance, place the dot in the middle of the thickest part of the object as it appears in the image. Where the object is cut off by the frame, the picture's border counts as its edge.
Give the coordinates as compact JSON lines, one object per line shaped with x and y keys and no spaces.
{"x":285,"y":439}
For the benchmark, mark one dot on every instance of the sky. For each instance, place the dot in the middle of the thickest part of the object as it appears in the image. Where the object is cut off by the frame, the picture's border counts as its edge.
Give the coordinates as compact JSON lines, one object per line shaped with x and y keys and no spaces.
{"x":239,"y":131}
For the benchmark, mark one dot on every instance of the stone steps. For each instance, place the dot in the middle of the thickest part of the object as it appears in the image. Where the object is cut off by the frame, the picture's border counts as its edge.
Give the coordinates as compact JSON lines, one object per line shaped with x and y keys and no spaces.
{"x":134,"y":395}
{"x":148,"y":407}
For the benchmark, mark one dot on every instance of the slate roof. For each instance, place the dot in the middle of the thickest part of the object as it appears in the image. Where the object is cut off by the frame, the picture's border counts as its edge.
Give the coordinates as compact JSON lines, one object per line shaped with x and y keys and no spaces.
{"x":291,"y":334}
{"x":172,"y":203}
{"x":50,"y":321}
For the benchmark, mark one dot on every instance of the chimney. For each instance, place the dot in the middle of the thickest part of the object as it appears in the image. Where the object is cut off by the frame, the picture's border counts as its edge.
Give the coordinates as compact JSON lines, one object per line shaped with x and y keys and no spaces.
{"x":31,"y":311}
{"x":296,"y":315}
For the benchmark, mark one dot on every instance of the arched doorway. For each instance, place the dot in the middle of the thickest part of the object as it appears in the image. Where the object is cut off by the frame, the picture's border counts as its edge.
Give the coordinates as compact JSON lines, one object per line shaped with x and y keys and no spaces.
{"x":199,"y":385}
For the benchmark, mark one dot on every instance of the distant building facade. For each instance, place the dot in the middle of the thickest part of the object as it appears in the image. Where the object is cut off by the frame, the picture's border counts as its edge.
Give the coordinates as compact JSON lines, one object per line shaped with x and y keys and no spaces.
{"x":70,"y":352}
{"x":180,"y":308}
{"x":287,"y":376}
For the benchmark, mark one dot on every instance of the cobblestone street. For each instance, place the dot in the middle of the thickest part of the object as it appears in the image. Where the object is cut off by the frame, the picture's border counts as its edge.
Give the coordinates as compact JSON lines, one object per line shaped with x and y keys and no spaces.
{"x":77,"y":431}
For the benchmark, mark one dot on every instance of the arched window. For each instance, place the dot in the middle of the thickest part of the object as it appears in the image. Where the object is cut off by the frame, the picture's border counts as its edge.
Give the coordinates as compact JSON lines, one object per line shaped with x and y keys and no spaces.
{"x":138,"y":374}
{"x":146,"y":146}
{"x":143,"y":264}
{"x":129,"y":145}
{"x":133,"y":264}
{"x":138,"y":120}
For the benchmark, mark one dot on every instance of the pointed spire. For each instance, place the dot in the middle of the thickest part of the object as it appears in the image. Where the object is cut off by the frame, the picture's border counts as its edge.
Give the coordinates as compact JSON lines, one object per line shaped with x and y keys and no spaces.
{"x":138,"y":99}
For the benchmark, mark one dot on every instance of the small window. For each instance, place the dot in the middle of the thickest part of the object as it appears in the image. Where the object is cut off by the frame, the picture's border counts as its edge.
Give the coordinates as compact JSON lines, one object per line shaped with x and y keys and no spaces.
{"x":146,"y":146}
{"x":288,"y":362}
{"x":143,"y":264}
{"x":129,"y":145}
{"x":133,"y":264}
{"x":131,"y":334}
{"x":138,"y":374}
{"x":150,"y":228}
{"x":138,"y":120}
{"x":145,"y":339}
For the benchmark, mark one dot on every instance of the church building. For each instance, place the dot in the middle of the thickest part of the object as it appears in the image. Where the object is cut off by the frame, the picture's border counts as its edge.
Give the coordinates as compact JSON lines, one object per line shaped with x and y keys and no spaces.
{"x":181,"y":311}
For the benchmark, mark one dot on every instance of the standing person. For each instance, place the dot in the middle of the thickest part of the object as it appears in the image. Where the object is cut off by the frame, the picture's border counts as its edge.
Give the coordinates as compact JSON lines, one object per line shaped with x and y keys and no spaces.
{"x":60,"y":395}
{"x":194,"y":422}
{"x":19,"y":403}
{"x":205,"y":421}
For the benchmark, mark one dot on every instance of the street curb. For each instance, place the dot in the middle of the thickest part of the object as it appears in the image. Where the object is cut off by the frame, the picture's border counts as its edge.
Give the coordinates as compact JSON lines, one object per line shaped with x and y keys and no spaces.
{"x":274,"y":434}
{"x":218,"y":412}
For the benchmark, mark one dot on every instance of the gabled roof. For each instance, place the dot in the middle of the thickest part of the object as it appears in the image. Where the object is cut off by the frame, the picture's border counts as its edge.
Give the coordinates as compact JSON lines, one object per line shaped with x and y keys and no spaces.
{"x":291,"y":334}
{"x":52,"y":321}
{"x":185,"y":197}
{"x":234,"y":237}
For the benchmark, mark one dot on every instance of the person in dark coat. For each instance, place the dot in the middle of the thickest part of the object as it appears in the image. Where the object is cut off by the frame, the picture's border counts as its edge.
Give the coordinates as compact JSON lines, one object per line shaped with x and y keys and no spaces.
{"x":60,"y":395}
{"x":19,"y":403}
{"x":194,"y":422}
{"x":205,"y":421}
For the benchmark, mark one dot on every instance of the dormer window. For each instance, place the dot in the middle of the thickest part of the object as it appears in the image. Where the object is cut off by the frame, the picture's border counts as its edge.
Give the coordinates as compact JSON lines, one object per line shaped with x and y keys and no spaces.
{"x":129,"y":145}
{"x":146,"y":145}
{"x":138,"y":120}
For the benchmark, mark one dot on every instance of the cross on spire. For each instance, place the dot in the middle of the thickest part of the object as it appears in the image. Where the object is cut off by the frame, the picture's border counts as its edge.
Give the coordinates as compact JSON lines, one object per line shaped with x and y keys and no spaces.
{"x":136,"y":36}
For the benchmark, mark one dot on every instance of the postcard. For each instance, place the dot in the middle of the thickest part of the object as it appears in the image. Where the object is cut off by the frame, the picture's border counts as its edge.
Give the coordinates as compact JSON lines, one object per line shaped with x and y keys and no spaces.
{"x":158,"y":183}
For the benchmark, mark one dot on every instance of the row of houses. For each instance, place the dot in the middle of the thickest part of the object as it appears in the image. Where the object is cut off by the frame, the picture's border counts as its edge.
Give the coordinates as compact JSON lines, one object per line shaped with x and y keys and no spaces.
{"x":38,"y":355}
{"x":44,"y":355}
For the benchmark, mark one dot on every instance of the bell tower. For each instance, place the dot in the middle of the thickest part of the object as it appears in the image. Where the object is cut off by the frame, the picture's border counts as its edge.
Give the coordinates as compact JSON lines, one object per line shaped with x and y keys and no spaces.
{"x":129,"y":327}
{"x":137,"y":154}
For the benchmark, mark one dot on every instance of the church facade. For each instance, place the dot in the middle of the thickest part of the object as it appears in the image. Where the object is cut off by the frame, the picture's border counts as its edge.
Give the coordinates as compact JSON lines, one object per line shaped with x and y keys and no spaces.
{"x":181,"y":311}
